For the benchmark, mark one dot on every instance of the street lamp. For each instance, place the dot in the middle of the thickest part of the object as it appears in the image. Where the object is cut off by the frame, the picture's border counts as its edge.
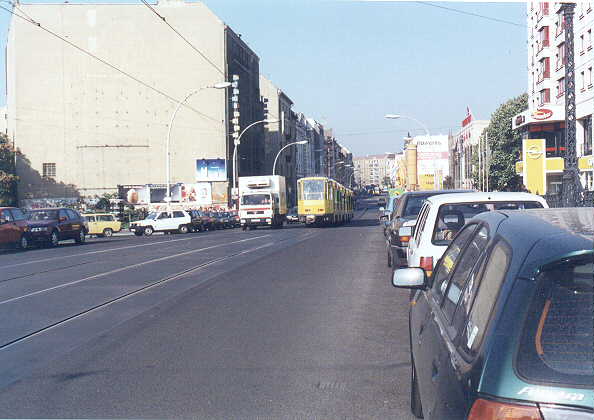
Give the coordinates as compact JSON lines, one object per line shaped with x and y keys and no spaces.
{"x":238,"y":142}
{"x":280,"y":151}
{"x":219,"y":85}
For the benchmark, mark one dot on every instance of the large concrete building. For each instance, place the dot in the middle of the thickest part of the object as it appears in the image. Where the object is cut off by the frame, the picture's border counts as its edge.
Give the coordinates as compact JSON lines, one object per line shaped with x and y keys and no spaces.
{"x":374,"y":169}
{"x":543,"y":124}
{"x":85,"y":127}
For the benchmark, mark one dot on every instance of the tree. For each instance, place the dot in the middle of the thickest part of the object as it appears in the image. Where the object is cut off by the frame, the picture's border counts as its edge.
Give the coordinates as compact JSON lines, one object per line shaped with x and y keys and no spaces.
{"x":505,"y":146}
{"x":8,"y":178}
{"x":448,"y":183}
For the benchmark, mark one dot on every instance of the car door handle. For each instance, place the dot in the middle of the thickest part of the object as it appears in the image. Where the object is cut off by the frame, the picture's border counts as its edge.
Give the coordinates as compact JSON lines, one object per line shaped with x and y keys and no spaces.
{"x":434,"y":371}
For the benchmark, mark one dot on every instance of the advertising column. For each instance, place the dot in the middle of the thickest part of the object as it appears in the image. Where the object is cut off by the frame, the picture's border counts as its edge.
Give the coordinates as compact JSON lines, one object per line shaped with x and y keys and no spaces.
{"x":432,"y":161}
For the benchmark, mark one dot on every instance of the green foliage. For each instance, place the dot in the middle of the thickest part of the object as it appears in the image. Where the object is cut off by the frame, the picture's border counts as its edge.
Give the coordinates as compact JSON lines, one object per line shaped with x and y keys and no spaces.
{"x":104,"y":203}
{"x":505,"y":145}
{"x":8,"y":178}
{"x":448,"y":183}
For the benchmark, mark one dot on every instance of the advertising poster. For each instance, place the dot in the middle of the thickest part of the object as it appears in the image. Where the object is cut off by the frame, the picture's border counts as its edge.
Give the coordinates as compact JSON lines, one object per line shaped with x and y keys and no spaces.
{"x":219,"y":193}
{"x":211,"y":170}
{"x":432,"y":160}
{"x":198,"y":194}
{"x":157,"y":194}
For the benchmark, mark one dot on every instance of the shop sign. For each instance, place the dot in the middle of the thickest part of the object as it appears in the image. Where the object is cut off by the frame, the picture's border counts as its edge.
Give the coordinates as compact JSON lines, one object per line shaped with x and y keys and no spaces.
{"x":542,"y":114}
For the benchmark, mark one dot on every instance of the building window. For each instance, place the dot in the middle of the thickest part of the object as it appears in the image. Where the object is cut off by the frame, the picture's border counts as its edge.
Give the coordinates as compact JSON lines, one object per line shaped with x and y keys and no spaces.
{"x":587,"y":136}
{"x":559,"y":24}
{"x":49,"y":170}
{"x":544,"y":8}
{"x":560,"y":56}
{"x":589,"y":78}
{"x":544,"y":96}
{"x":543,"y":38}
{"x":544,"y":71}
{"x":560,"y":87}
{"x":583,"y":80}
{"x":588,"y":41}
{"x":582,"y":44}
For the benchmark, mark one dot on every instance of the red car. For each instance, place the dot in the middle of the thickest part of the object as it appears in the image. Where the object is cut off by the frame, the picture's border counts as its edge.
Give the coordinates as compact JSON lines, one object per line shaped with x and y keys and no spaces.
{"x":14,"y":230}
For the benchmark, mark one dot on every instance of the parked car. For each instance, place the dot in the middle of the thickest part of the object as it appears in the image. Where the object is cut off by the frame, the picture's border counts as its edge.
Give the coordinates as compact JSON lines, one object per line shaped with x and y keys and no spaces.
{"x":226,"y":221}
{"x":381,"y":201}
{"x":235,"y":218}
{"x":385,"y":213}
{"x":51,"y":225}
{"x":14,"y":230}
{"x":503,"y":328}
{"x":443,"y":216}
{"x":407,"y":209}
{"x":163,"y":221}
{"x":215,"y":220}
{"x":293,"y":216}
{"x":102,"y":224}
{"x":199,"y":221}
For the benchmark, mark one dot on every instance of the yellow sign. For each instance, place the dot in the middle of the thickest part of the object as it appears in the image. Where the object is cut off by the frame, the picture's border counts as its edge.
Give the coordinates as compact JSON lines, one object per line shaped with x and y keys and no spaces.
{"x":586,"y":162}
{"x":533,"y":151}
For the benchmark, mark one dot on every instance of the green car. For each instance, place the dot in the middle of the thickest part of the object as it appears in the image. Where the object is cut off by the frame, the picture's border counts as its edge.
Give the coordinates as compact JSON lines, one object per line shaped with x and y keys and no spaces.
{"x":504,"y":327}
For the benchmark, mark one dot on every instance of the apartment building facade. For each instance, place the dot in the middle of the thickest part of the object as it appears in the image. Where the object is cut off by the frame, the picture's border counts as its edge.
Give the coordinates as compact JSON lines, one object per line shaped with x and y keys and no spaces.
{"x":543,"y":124}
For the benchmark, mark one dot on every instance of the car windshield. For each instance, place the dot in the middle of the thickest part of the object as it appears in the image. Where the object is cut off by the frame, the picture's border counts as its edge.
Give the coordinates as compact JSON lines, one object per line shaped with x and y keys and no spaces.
{"x":557,"y":342}
{"x":255,"y":199}
{"x":225,"y":214}
{"x":42,"y":215}
{"x":152,"y":216}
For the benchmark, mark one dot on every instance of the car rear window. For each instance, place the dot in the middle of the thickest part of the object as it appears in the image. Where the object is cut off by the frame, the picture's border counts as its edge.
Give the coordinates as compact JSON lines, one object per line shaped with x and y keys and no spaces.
{"x":452,"y":217}
{"x":414,"y":204}
{"x":557,"y":342}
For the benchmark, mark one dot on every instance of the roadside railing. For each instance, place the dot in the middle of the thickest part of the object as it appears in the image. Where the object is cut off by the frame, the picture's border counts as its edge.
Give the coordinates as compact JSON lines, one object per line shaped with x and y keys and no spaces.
{"x":586,"y":199}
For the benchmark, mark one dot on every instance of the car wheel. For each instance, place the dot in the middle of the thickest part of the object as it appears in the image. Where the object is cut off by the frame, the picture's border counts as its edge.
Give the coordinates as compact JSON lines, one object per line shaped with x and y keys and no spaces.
{"x":390,"y":263}
{"x":54,"y":239}
{"x":81,"y":238}
{"x":415,"y":398}
{"x":23,"y":242}
{"x":148,"y":231}
{"x":182,"y":229}
{"x":108,"y":233}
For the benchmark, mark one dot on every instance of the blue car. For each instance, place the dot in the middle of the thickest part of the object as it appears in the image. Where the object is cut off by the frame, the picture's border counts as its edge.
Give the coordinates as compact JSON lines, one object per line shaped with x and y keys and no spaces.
{"x":504,"y":327}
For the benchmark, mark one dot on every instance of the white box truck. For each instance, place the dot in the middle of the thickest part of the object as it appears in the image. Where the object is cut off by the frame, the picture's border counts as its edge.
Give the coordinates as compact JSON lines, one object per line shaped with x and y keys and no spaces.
{"x":262,"y":201}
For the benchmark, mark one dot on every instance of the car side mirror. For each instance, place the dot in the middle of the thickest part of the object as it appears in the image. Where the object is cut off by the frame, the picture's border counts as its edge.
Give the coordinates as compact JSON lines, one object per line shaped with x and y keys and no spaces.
{"x":405,"y":231}
{"x":410,"y":278}
{"x":381,"y":209}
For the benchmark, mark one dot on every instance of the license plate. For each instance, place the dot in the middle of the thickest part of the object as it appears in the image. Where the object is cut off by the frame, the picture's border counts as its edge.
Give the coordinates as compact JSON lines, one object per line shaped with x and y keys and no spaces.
{"x":255,"y":220}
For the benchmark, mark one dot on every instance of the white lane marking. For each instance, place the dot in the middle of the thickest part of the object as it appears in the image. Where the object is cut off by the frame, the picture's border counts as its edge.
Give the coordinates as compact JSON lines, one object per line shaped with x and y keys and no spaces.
{"x":98,"y":252}
{"x":135,"y":292}
{"x":117,"y":270}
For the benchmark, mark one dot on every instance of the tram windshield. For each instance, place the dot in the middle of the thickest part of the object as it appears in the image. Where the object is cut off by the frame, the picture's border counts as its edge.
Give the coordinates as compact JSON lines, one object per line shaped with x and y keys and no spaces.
{"x":313,"y":190}
{"x":255,"y":199}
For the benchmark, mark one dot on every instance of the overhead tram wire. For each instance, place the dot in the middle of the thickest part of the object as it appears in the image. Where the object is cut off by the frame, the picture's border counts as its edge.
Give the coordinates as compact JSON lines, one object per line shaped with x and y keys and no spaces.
{"x":105,"y":62}
{"x":164,"y":20}
{"x":451,"y":9}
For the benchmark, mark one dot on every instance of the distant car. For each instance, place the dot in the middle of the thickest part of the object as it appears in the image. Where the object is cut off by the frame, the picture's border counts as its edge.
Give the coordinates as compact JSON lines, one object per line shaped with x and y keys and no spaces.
{"x":226,"y":220}
{"x":235,"y":218}
{"x":102,"y":224}
{"x":503,"y":327}
{"x":14,"y":230}
{"x":51,"y":225}
{"x":215,"y":220}
{"x":199,"y":221}
{"x":163,"y":221}
{"x":293,"y":216}
{"x":406,"y":210}
{"x":444,"y":215}
{"x":381,"y":201}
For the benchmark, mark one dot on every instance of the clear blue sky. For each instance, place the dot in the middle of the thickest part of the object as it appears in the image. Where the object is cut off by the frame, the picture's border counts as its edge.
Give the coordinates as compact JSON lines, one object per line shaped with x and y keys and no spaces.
{"x":347,"y":63}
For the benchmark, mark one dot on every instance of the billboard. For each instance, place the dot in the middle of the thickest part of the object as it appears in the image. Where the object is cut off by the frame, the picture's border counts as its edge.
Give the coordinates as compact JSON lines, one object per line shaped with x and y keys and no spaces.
{"x":208,"y":170}
{"x":199,"y":193}
{"x":432,"y":161}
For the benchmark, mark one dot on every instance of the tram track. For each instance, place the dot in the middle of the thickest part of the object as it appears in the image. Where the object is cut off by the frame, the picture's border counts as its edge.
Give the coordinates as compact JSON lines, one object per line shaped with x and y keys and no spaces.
{"x":146,"y":287}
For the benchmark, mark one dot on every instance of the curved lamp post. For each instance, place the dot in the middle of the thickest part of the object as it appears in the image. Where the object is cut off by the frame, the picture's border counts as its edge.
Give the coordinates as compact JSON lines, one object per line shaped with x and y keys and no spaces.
{"x":280,"y":151}
{"x":238,"y":142}
{"x":220,"y":85}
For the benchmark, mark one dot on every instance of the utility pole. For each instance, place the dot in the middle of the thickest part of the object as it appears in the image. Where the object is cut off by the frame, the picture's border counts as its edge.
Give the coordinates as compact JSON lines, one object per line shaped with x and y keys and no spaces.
{"x":571,"y":185}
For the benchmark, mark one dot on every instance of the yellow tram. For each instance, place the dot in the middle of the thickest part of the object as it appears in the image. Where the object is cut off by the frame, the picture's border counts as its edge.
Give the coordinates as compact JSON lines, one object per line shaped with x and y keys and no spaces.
{"x":323,"y":201}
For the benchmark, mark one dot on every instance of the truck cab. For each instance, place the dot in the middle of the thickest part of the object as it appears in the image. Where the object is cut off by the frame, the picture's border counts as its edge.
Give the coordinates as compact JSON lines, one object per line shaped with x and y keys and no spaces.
{"x":262,"y":201}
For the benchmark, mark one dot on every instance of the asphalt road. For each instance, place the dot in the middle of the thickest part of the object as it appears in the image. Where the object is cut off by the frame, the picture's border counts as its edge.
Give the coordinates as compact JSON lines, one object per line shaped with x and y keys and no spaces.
{"x":292,"y":323}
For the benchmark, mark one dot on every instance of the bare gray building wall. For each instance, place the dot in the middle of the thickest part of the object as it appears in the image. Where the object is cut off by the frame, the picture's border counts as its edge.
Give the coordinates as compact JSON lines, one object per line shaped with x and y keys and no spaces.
{"x":99,"y":127}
